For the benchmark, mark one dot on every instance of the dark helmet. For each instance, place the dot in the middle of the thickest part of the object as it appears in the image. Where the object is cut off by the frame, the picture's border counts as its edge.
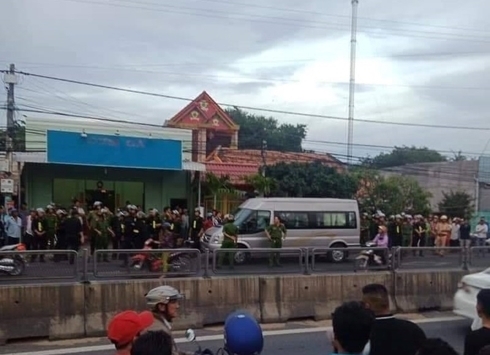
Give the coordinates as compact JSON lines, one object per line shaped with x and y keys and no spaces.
{"x":243,"y":334}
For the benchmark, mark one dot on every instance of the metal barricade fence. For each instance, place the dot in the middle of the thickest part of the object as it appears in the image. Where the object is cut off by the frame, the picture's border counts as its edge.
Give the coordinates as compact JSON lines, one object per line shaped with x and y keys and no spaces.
{"x":151,"y":263}
{"x":479,"y":257}
{"x":349,"y":261}
{"x":429,"y":258}
{"x":57,"y":265}
{"x":258,"y":261}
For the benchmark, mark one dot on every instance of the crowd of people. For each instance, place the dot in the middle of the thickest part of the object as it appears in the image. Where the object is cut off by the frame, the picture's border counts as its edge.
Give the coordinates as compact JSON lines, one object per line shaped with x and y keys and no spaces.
{"x":58,"y":228}
{"x":405,"y":230}
{"x":364,"y":327}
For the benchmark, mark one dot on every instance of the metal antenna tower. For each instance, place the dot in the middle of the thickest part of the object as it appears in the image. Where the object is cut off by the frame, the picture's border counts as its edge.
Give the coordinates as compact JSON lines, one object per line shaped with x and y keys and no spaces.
{"x":352,"y":81}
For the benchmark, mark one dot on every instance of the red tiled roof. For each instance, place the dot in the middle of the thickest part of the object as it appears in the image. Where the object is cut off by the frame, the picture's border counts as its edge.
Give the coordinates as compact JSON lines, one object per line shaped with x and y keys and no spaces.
{"x":254,"y":156}
{"x":236,"y":172}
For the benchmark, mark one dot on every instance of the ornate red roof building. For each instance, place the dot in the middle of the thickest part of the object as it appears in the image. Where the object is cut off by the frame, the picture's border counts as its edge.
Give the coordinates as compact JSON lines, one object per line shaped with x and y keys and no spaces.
{"x":215,"y":143}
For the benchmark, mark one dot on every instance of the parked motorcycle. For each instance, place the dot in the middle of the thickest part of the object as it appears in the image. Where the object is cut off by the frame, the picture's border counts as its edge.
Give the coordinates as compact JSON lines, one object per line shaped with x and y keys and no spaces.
{"x":370,"y":257}
{"x":177,"y":261}
{"x":12,"y":262}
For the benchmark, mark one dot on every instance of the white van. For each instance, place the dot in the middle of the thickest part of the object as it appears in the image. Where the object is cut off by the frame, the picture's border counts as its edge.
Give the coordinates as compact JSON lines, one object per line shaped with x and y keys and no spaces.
{"x":310,"y":223}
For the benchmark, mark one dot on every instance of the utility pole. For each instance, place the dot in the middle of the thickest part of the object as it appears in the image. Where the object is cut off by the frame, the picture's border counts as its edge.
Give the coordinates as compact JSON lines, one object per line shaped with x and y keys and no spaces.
{"x":352,"y":81}
{"x":7,"y":185}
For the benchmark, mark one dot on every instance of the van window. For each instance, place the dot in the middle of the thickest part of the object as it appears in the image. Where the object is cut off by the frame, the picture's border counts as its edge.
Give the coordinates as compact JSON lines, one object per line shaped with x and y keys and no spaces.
{"x":253,"y":221}
{"x":335,"y":220}
{"x":293,"y":220}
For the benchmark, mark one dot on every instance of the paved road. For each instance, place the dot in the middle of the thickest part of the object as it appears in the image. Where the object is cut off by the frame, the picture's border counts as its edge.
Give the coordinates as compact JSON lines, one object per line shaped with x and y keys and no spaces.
{"x":289,"y":339}
{"x":64,"y":272}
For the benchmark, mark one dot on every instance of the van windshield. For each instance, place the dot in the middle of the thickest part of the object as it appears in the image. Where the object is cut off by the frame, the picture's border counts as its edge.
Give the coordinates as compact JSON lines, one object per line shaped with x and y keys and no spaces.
{"x":251,"y":221}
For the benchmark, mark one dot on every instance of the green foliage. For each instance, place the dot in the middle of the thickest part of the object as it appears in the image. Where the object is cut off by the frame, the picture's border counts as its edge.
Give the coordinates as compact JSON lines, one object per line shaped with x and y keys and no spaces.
{"x":310,"y":180}
{"x":18,"y":136}
{"x":404,"y":155}
{"x":391,"y":195}
{"x":457,"y":204}
{"x":263,"y":185}
{"x":254,"y":129}
{"x":215,"y":185}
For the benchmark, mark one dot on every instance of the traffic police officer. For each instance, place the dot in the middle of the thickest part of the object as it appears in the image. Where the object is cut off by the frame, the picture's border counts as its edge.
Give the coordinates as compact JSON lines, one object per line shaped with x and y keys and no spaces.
{"x":230,"y":237}
{"x":276,"y":232}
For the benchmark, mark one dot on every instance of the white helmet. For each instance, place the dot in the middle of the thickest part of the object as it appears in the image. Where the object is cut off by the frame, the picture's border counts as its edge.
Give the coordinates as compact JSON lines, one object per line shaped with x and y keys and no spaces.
{"x":162,"y":294}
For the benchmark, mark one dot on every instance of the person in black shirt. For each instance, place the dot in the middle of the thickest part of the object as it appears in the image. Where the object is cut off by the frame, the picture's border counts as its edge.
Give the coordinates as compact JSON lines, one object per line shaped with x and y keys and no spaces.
{"x":478,"y":339}
{"x":419,"y":234}
{"x":196,"y":229}
{"x":436,"y":346}
{"x":390,"y":335}
{"x":352,"y":324}
{"x":40,"y":240}
{"x":73,"y":233}
{"x":464,"y":233}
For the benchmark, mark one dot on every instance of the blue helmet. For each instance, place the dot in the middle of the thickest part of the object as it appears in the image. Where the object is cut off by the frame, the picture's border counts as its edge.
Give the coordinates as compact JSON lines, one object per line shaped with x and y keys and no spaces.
{"x":243,"y":334}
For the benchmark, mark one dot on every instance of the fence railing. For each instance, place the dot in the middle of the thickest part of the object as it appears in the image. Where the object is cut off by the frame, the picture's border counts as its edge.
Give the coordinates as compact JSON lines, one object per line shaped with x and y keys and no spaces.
{"x":69,"y":265}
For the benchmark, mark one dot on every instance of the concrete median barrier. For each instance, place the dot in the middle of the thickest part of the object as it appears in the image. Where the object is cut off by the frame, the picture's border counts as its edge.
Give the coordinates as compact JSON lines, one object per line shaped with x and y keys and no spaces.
{"x":75,"y":310}
{"x":207,"y":301}
{"x":425,"y":290}
{"x":55,"y":311}
{"x":291,"y":297}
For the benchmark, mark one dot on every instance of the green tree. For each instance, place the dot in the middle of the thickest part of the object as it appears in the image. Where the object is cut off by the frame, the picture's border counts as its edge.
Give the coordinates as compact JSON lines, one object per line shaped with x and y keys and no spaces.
{"x":262,"y":184}
{"x":216,"y":184}
{"x":456,"y":204}
{"x":404,"y":155}
{"x":18,"y":136}
{"x":255,"y":129}
{"x":459,"y":156}
{"x":392,"y":195}
{"x":310,"y":180}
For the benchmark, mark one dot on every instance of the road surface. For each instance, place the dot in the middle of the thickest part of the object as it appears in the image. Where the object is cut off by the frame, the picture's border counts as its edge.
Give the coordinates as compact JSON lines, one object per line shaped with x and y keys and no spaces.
{"x":50,"y":271}
{"x":305,"y":338}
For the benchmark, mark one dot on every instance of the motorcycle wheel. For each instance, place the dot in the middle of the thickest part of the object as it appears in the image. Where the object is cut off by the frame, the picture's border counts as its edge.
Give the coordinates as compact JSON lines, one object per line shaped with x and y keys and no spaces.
{"x":19,"y":267}
{"x":361,"y":264}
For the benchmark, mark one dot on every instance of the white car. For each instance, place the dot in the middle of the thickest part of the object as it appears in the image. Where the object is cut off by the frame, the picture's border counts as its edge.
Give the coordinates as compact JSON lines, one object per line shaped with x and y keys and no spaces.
{"x":465,"y":297}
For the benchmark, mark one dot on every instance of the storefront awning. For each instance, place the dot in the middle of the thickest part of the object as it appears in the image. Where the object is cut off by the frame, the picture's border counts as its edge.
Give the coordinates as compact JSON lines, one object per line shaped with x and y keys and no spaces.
{"x":41,"y":157}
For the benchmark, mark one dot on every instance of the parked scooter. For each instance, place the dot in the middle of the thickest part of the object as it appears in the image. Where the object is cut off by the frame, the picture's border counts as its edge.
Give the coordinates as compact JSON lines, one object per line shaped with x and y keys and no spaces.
{"x":177,"y":261}
{"x":190,"y":335}
{"x":12,"y":262}
{"x":370,"y":257}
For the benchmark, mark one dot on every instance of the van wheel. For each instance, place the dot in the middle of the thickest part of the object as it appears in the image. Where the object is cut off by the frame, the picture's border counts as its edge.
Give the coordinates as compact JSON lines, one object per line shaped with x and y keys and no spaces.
{"x":242,"y":257}
{"x":337,"y":256}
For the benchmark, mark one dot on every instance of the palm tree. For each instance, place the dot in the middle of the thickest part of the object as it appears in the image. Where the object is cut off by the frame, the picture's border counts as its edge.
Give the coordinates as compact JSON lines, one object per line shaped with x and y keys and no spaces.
{"x":263,"y":185}
{"x":216,"y":184}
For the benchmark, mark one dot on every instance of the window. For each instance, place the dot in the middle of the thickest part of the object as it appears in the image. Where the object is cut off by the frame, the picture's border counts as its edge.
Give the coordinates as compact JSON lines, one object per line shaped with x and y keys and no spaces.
{"x":317,"y":220}
{"x":335,"y":220}
{"x":293,"y":220}
{"x":251,"y":221}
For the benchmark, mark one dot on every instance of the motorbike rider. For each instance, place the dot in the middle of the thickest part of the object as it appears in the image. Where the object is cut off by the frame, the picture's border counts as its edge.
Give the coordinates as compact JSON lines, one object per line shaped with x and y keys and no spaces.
{"x":163,"y":302}
{"x":243,"y":334}
{"x":382,"y":240}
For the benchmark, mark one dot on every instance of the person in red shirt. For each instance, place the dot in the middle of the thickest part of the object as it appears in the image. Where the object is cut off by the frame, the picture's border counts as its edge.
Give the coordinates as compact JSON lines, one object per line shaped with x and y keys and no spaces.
{"x":125,"y":327}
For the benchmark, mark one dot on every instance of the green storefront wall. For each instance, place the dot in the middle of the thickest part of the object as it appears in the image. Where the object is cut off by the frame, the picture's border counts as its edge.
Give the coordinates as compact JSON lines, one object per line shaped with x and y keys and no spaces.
{"x":159,"y":187}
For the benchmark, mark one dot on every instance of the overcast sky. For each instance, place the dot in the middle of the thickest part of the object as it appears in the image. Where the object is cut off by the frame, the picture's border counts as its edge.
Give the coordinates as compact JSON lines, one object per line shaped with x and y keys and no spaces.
{"x":419,"y":61}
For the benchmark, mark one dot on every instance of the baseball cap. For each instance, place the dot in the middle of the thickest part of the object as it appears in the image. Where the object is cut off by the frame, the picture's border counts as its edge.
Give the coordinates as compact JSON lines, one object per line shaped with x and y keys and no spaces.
{"x":125,"y":326}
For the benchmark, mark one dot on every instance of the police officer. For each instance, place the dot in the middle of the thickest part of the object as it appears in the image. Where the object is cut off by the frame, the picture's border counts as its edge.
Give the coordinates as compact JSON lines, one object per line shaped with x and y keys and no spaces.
{"x":196,"y":229}
{"x":230,"y":238}
{"x":365,"y":224}
{"x":92,"y":221}
{"x":51,"y":220}
{"x":61,"y":243}
{"x":154,"y":223}
{"x":130,"y":232}
{"x":73,"y":232}
{"x":101,"y":229}
{"x":276,"y":232}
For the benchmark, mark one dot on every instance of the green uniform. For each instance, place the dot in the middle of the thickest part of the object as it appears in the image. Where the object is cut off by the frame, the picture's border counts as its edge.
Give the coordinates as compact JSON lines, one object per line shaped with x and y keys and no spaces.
{"x":228,"y":243}
{"x":407,"y":231}
{"x":51,"y":221}
{"x":276,"y":233}
{"x":102,"y":240}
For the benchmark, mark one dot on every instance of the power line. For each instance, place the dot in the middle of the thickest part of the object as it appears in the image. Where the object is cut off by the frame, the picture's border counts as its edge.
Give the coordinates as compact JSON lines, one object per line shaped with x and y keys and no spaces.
{"x":203,"y":12}
{"x":283,"y":112}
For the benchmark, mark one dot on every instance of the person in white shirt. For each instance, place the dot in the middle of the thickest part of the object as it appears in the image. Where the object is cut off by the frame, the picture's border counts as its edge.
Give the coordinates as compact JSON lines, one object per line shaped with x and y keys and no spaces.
{"x":481,"y":232}
{"x":13,"y":227}
{"x":29,"y":234}
{"x":454,"y":238}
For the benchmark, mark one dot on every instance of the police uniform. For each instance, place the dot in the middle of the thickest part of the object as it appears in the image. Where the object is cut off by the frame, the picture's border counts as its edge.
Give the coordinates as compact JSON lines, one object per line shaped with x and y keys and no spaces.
{"x":276,"y":233}
{"x":228,"y":243}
